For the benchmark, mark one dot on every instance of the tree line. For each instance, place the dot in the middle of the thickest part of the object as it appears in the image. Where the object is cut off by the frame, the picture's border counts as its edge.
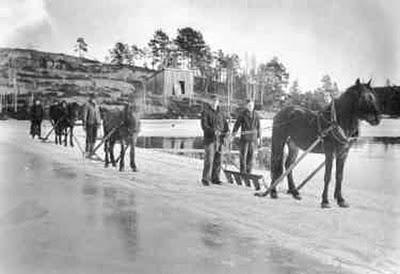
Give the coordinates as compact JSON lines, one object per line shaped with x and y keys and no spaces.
{"x":188,"y":49}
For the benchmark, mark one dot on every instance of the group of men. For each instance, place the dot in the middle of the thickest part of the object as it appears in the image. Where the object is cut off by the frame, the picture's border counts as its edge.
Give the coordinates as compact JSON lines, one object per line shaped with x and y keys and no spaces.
{"x":216,"y":133}
{"x":214,"y":124}
{"x":91,"y":121}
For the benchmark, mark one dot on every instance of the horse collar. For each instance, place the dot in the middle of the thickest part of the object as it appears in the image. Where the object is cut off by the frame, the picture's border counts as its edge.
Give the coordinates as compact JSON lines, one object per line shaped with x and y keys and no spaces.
{"x":333,"y":130}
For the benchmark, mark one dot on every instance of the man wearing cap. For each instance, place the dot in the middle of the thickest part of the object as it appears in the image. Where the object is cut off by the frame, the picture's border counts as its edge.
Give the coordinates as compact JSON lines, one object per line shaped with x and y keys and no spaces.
{"x":215,"y":128}
{"x":91,"y":122}
{"x":249,"y":123}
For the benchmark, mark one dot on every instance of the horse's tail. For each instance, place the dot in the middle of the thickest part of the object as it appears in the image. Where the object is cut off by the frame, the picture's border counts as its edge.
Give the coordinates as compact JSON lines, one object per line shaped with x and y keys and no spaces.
{"x":279,"y":138}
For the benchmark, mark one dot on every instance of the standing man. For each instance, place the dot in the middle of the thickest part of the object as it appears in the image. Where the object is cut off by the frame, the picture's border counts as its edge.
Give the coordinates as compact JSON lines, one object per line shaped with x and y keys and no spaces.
{"x":249,"y":123}
{"x":215,"y":128}
{"x":36,"y":115}
{"x":133,"y":124}
{"x":91,"y":122}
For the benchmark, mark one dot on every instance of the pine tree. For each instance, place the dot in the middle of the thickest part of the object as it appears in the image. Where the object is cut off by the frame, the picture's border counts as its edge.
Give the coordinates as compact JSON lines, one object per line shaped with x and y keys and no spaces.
{"x":191,"y":43}
{"x":273,"y":78}
{"x":121,"y":54}
{"x":81,"y":47}
{"x":160,"y":46}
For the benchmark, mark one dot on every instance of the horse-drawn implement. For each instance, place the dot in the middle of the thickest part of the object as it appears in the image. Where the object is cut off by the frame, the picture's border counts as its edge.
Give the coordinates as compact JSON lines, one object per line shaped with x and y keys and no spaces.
{"x":63,"y":117}
{"x":258,"y":180}
{"x":329,"y":131}
{"x":118,"y":125}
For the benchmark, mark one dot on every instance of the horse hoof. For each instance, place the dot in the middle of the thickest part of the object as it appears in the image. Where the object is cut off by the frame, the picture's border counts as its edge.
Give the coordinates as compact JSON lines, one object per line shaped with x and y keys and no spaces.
{"x":343,"y":204}
{"x":260,"y":194}
{"x":134,"y":169}
{"x":273,"y":195}
{"x":297,"y":197}
{"x":325,"y":205}
{"x":295,"y":194}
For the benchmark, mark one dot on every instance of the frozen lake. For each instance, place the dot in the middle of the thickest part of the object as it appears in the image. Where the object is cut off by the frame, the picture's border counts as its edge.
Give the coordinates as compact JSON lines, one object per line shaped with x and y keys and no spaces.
{"x":191,"y":128}
{"x":62,"y":214}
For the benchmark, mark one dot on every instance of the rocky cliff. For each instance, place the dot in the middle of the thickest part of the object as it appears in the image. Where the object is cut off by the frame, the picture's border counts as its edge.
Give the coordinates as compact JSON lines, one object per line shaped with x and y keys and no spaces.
{"x":66,"y":76}
{"x":53,"y":77}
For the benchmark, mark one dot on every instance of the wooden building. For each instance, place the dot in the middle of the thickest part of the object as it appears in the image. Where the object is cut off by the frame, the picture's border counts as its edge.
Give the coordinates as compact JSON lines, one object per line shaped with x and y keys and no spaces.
{"x":171,"y":82}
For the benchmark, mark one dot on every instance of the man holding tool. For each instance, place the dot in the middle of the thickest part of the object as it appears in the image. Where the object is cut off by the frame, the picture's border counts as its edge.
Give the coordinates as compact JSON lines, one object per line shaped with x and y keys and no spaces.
{"x":249,"y":123}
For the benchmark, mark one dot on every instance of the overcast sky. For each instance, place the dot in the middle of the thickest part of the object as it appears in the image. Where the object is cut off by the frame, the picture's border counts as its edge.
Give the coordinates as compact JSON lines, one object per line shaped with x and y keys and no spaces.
{"x":344,"y":38}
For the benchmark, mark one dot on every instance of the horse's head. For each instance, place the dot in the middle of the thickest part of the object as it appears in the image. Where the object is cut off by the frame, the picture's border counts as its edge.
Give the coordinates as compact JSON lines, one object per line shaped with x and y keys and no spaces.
{"x":367,"y":105}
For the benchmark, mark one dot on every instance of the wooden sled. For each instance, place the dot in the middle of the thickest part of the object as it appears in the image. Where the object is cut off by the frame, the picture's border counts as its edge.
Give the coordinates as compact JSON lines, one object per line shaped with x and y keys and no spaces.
{"x":238,"y":178}
{"x":246,"y":179}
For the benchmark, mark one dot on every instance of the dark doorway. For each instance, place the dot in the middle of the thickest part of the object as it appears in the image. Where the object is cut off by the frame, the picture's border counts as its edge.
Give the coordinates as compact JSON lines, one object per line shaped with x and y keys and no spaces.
{"x":182,"y":84}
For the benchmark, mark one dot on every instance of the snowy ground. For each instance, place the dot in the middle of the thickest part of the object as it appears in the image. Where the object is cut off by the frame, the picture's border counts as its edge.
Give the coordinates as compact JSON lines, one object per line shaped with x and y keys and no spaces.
{"x":61,"y":213}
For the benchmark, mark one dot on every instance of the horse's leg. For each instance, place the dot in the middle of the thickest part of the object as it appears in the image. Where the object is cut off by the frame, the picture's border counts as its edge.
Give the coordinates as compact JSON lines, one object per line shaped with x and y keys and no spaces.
{"x":65,"y":136}
{"x":71,"y":135}
{"x":58,"y":136}
{"x":60,"y":141}
{"x":87,"y":139}
{"x":55,"y":134}
{"x":122,"y":156}
{"x":106,"y":149}
{"x":340,"y":161}
{"x":59,"y":133}
{"x":132,"y":142}
{"x":291,"y":158}
{"x":111,"y":150}
{"x":278,"y":144}
{"x":327,"y":177}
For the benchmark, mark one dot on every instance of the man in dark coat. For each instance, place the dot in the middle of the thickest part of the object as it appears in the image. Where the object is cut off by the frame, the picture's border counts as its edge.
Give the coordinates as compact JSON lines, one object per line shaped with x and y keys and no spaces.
{"x":215,"y":128}
{"x":91,"y":122}
{"x":249,"y":123}
{"x":36,"y":117}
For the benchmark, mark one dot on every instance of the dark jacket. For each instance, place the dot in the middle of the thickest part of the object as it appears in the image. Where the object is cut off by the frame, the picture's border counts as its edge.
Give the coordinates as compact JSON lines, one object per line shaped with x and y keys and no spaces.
{"x":249,"y":123}
{"x":91,"y":114}
{"x":213,"y":123}
{"x":36,"y":113}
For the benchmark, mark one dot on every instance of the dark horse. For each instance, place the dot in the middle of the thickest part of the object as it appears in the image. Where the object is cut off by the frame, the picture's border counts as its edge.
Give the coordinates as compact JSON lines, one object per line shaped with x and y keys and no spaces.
{"x":63,"y":116}
{"x":298,"y":128}
{"x":127,"y":126}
